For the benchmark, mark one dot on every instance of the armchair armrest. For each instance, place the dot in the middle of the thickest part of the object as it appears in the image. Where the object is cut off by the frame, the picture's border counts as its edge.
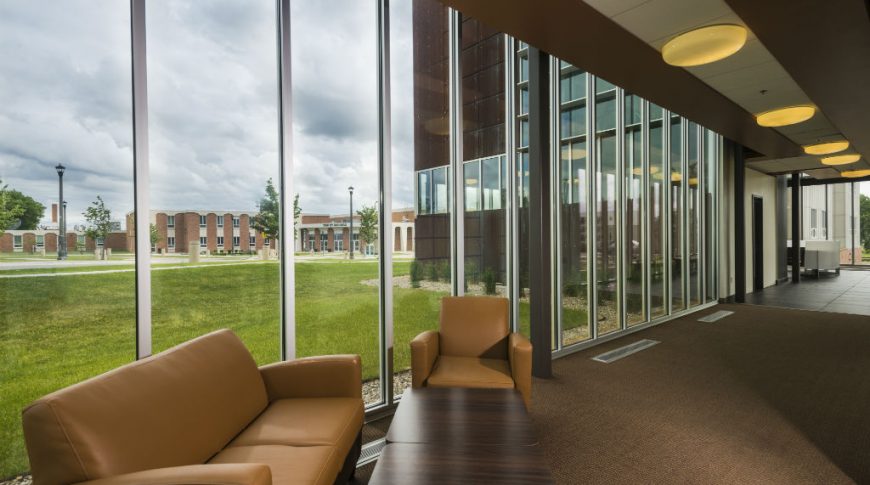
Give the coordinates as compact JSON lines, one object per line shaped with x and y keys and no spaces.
{"x":424,"y":351}
{"x":217,"y":474}
{"x":520,"y":356}
{"x":322,"y":376}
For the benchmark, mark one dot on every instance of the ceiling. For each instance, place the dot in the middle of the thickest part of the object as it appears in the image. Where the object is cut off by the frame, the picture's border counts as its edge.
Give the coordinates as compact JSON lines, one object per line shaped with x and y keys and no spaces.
{"x":754,"y":78}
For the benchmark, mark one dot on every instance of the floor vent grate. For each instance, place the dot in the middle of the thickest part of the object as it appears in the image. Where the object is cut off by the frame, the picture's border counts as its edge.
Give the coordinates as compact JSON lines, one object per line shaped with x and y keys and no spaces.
{"x":371,"y":451}
{"x":715,"y":316}
{"x":621,"y":352}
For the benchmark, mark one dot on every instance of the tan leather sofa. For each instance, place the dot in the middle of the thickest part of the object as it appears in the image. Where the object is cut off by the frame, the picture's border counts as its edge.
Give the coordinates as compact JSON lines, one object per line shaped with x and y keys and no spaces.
{"x":473,"y":348}
{"x":202,"y":413}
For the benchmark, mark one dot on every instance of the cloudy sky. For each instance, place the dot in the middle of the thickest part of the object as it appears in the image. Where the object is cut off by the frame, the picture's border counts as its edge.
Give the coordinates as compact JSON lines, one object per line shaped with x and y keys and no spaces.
{"x":65,"y":97}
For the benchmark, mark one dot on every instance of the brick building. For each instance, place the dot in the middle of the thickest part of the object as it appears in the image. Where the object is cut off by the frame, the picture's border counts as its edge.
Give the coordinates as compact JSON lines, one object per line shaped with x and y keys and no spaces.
{"x":330,"y":233}
{"x":211,"y":231}
{"x":39,"y":240}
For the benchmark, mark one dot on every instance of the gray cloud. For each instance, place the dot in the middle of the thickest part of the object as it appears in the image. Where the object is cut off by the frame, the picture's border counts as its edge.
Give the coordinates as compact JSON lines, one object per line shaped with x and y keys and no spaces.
{"x":65,"y":97}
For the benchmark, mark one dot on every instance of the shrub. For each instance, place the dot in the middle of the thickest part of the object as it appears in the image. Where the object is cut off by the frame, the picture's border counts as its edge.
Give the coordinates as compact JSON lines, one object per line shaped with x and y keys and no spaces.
{"x":416,"y":273}
{"x":489,"y":281}
{"x":432,"y":271}
{"x":444,"y":271}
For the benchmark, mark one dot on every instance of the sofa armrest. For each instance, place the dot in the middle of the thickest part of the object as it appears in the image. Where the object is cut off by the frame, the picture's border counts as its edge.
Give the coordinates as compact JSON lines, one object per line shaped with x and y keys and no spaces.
{"x":322,"y":376}
{"x":520,"y":355}
{"x":424,"y":351}
{"x":217,"y":474}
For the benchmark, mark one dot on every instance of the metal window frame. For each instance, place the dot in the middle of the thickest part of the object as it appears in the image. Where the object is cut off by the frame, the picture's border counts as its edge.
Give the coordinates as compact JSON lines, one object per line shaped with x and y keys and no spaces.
{"x":512,"y":209}
{"x":645,"y":232}
{"x":667,"y":212}
{"x":285,"y":180}
{"x":556,"y":196}
{"x":591,"y":201}
{"x":457,"y":213}
{"x":619,"y":139}
{"x":385,"y":213}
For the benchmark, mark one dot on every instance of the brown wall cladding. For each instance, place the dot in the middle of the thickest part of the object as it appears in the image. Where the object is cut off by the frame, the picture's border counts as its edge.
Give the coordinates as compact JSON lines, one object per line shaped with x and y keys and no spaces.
{"x":6,"y":243}
{"x":245,"y":232}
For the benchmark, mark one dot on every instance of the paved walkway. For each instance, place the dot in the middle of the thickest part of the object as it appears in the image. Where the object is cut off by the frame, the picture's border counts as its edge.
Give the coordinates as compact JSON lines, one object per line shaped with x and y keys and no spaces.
{"x":847,"y":293}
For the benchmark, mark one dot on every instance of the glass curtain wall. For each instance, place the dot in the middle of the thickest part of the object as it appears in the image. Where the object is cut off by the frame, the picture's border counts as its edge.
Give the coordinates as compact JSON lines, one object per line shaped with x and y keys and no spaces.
{"x":66,"y":101}
{"x":482,"y":73}
{"x":521,"y":136}
{"x":693,"y":222}
{"x":658,"y":214}
{"x":634,"y":243}
{"x":419,"y":83}
{"x":606,"y":253}
{"x":213,"y":140}
{"x":335,"y":130}
{"x":676,"y":246}
{"x":709,"y":216}
{"x":572,"y":301}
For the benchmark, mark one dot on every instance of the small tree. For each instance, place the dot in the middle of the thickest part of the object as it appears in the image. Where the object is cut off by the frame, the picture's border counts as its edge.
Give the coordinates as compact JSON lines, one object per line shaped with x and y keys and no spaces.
{"x":297,"y":213}
{"x":155,"y":236}
{"x":368,"y":224}
{"x":864,"y":218}
{"x":28,"y":212}
{"x":9,"y":210}
{"x":266,"y":221}
{"x":99,"y":220}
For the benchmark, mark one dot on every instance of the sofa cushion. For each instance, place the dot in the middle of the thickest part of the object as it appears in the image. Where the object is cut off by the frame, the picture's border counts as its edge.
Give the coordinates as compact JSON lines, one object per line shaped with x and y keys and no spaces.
{"x":179,"y":407}
{"x":474,"y":326}
{"x":332,"y":421}
{"x":471,"y":372}
{"x":289,"y":464}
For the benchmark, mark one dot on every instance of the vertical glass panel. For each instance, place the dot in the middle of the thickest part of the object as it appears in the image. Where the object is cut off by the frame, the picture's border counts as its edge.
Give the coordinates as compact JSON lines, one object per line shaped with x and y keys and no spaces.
{"x":693,"y":228}
{"x":634,"y":243}
{"x":605,"y":208}
{"x":335,"y":116}
{"x":65,"y":97}
{"x":214,"y":152}
{"x":658,"y":230}
{"x":482,"y":65}
{"x":711,"y":165}
{"x":574,"y":255}
{"x":676,"y":232}
{"x":522,"y":194}
{"x":420,"y":137}
{"x":424,"y":192}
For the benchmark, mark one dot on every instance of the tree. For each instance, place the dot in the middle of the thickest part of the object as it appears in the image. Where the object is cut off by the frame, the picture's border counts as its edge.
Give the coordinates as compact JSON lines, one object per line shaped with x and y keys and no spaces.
{"x":297,"y":212}
{"x":19,"y":211}
{"x":266,"y":222}
{"x":368,"y":224}
{"x":9,"y":211}
{"x":155,"y":236}
{"x":99,"y":220}
{"x":864,"y":220}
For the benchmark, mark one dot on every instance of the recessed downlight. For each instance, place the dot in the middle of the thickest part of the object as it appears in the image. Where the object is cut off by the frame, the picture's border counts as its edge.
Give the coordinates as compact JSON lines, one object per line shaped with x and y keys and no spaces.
{"x":841,"y":159}
{"x":704,"y":45}
{"x":826,"y":148}
{"x":789,"y":115}
{"x":856,"y":173}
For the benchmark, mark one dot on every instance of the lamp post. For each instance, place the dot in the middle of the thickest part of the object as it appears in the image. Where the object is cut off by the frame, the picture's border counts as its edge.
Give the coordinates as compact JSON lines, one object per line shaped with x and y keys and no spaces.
{"x":60,"y":252}
{"x":350,"y":234}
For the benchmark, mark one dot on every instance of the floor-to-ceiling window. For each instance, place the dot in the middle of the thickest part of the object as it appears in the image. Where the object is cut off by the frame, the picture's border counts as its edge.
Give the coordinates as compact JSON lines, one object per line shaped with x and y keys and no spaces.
{"x":65,"y":105}
{"x":658,"y":213}
{"x":634,"y":242}
{"x":335,"y":128}
{"x":521,"y":198}
{"x":606,"y":253}
{"x":573,"y":300}
{"x":711,"y":179}
{"x":213,"y":142}
{"x":694,"y":245}
{"x":677,"y":244}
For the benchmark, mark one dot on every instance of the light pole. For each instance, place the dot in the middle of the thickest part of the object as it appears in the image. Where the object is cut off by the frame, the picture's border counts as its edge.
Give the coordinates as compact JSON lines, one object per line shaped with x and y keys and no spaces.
{"x":60,"y":252}
{"x":350,"y":234}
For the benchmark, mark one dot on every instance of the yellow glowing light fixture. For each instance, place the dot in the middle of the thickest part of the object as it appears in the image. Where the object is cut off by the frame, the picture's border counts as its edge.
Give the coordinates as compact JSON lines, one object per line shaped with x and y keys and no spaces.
{"x":676,"y":177}
{"x":693,"y":181}
{"x":841,"y":159}
{"x":789,"y":115}
{"x":704,"y":45}
{"x":826,"y":148}
{"x":856,"y":173}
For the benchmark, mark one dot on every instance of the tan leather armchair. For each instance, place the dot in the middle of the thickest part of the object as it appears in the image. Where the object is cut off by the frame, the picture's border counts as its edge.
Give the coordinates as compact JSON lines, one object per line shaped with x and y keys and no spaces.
{"x":473,"y":348}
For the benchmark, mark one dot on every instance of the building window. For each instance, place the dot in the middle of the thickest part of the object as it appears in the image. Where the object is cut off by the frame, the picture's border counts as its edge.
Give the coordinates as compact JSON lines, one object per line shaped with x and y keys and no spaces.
{"x":170,"y":221}
{"x":324,"y":241}
{"x":235,"y":222}
{"x":814,"y":223}
{"x":356,"y":242}
{"x":220,"y":241}
{"x":17,"y":242}
{"x":432,"y":191}
{"x":100,"y":242}
{"x":40,"y":241}
{"x":220,"y":221}
{"x":252,"y":240}
{"x":203,"y":242}
{"x":201,"y":221}
{"x":424,"y":192}
{"x":237,"y":241}
{"x":170,"y":242}
{"x":339,"y":243}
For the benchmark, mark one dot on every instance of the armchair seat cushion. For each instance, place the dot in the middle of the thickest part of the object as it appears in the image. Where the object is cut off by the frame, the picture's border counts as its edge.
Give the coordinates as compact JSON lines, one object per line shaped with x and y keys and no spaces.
{"x":309,"y":465}
{"x":471,"y":372}
{"x":332,"y":421}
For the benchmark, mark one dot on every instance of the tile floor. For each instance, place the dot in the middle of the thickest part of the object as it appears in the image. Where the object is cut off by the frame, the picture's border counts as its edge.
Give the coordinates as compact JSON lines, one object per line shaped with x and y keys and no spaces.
{"x":847,"y":293}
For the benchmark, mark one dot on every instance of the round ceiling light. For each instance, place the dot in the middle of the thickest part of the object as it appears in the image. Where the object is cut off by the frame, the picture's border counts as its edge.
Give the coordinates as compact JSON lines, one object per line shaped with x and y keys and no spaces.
{"x":826,"y":148}
{"x":841,"y":159}
{"x":704,"y":45}
{"x":856,"y":173}
{"x":785,"y":116}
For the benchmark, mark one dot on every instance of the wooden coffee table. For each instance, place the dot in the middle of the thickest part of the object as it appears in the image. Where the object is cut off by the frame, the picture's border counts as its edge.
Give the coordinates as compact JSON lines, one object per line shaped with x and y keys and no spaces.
{"x":457,"y":435}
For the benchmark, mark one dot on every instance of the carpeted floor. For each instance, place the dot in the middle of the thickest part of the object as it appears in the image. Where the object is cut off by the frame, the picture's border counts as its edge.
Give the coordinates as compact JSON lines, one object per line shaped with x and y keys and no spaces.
{"x":767,"y":395}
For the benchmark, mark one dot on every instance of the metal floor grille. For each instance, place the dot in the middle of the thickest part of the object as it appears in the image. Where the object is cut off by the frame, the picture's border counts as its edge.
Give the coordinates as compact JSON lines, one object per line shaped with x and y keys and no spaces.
{"x":715,"y":316}
{"x":371,"y":451}
{"x":625,"y":351}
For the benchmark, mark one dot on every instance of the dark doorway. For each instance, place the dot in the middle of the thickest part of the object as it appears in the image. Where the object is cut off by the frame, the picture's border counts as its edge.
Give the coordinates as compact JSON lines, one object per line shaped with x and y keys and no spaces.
{"x":757,"y":243}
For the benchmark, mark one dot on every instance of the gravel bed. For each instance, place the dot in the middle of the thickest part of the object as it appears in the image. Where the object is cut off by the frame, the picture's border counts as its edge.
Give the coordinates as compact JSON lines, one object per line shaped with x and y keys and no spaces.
{"x":19,"y":480}
{"x":371,"y":389}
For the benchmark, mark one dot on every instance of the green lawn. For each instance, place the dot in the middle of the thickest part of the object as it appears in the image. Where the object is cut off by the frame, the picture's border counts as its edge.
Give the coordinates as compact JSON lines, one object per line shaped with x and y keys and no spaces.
{"x":55,"y":331}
